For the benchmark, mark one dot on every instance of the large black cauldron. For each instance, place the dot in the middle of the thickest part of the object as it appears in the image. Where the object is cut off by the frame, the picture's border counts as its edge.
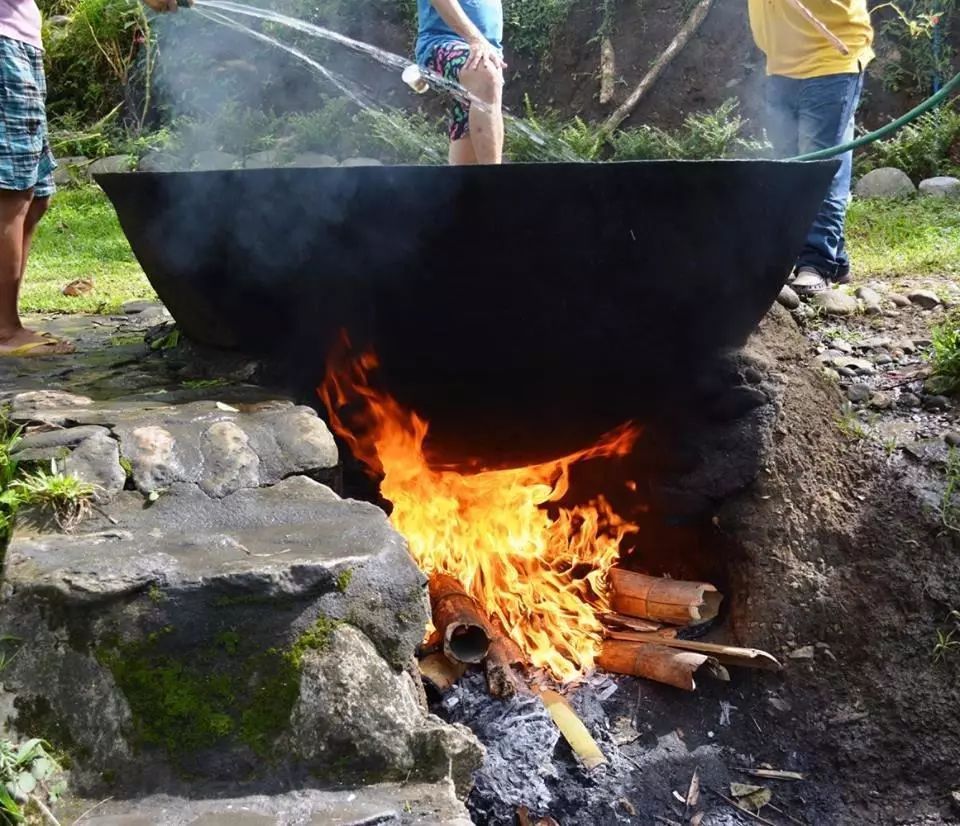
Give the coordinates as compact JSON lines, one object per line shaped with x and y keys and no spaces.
{"x":533,"y":299}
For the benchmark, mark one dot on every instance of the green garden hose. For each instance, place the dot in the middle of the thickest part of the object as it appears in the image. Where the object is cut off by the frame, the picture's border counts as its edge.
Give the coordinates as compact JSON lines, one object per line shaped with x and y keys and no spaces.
{"x":883,"y":131}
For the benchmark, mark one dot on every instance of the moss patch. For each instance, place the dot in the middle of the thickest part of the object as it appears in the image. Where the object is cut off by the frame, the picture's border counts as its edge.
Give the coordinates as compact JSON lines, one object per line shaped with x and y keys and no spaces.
{"x":223,"y":694}
{"x":343,"y":580}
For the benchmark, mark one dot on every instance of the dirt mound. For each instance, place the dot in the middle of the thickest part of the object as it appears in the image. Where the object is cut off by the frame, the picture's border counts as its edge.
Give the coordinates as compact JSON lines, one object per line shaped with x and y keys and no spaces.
{"x":840,"y":554}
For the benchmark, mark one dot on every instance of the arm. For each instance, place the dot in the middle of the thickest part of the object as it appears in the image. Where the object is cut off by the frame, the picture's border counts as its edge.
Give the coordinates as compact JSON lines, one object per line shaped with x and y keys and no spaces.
{"x":481,"y":51}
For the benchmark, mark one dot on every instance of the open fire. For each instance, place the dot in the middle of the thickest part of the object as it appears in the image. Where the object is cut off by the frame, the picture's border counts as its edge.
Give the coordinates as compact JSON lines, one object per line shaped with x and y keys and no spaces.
{"x":537,"y":569}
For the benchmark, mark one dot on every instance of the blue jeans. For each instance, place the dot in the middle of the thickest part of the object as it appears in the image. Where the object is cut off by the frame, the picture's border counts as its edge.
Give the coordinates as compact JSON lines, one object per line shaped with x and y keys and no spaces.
{"x":816,"y":113}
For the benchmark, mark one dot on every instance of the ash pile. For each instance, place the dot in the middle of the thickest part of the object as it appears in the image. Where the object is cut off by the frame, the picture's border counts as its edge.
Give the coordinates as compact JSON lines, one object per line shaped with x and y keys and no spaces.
{"x":531,"y":774}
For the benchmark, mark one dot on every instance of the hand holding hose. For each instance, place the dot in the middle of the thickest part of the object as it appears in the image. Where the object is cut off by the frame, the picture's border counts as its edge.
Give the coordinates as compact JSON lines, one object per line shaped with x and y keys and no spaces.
{"x":163,"y":6}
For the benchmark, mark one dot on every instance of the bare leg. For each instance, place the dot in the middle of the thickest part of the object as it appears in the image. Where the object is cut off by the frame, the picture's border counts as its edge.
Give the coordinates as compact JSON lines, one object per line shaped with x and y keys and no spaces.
{"x":461,"y":152}
{"x":38,"y":208}
{"x":14,"y":207}
{"x":20,"y":213}
{"x":486,"y":123}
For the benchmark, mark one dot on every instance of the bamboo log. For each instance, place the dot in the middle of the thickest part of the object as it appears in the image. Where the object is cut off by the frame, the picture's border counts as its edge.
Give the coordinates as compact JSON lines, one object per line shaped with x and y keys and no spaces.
{"x":692,"y":23}
{"x":460,"y":621}
{"x":659,"y":663}
{"x":573,"y":729}
{"x":622,"y":621}
{"x":608,"y":70}
{"x":667,"y":600}
{"x":724,"y":654}
{"x":440,"y":672}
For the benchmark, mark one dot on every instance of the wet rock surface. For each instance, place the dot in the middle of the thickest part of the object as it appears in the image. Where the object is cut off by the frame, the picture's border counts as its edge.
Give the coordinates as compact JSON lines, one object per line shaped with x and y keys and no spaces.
{"x":410,"y":804}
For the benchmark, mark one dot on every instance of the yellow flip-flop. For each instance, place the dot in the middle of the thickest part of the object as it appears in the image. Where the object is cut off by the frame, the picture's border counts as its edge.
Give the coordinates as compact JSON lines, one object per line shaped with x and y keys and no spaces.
{"x":53,"y":347}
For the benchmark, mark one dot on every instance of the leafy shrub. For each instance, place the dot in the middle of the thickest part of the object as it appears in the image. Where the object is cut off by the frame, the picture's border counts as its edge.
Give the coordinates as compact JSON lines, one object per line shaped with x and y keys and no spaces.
{"x":401,"y":138}
{"x":530,"y":25}
{"x":946,"y":355}
{"x":546,"y":136}
{"x":921,"y":31}
{"x":100,"y":60}
{"x":716,"y":134}
{"x":929,"y":146}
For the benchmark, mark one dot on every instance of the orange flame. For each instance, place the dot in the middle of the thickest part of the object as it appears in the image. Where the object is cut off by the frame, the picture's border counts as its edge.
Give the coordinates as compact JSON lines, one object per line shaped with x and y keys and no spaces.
{"x":543,"y":578}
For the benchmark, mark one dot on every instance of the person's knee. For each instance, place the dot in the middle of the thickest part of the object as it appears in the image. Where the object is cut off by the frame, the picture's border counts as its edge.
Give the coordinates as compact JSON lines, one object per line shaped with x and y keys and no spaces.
{"x":485,"y":83}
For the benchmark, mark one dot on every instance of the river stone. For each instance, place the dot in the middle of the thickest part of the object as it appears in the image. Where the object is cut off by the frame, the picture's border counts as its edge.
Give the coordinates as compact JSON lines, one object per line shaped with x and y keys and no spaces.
{"x":361,"y":162}
{"x":31,"y":405}
{"x":858,"y":393}
{"x":788,"y":297}
{"x":162,"y":586}
{"x":313,"y":159}
{"x":872,"y":300}
{"x":224,"y":449}
{"x":376,"y":730}
{"x":73,"y":169}
{"x":262,"y":160}
{"x":942,"y":186}
{"x":212,"y":159}
{"x":886,"y":182}
{"x":926,"y":299}
{"x":899,"y":300}
{"x":384,"y":804}
{"x":96,"y":460}
{"x":111,"y":164}
{"x":834,"y":302}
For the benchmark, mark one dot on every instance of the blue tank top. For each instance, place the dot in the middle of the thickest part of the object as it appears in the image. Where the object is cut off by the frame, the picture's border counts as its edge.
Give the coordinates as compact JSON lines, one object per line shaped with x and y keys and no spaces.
{"x":486,"y":15}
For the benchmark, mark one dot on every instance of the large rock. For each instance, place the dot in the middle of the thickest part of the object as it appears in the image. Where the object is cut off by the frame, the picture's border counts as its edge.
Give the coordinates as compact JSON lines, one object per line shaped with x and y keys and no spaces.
{"x":158,"y":162}
{"x":886,"y":182}
{"x":193,"y":630}
{"x":835,"y":302}
{"x":112,"y":163}
{"x":941,"y":187}
{"x":377,"y":729}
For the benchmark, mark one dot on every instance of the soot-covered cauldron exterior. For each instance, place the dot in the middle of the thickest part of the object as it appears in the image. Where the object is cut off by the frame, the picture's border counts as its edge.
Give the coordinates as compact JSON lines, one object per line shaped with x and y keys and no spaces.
{"x":525,"y":297}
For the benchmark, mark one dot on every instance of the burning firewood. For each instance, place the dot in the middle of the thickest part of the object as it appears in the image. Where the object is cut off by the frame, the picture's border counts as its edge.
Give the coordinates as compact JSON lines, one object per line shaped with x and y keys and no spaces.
{"x":573,"y":729}
{"x":725,"y":654}
{"x":461,"y":623}
{"x":659,"y":662}
{"x":440,"y":672}
{"x":666,"y":600}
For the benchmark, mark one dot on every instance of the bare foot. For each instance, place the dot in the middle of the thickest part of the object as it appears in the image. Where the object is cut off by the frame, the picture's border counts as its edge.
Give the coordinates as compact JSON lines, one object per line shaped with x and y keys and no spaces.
{"x":25,"y":342}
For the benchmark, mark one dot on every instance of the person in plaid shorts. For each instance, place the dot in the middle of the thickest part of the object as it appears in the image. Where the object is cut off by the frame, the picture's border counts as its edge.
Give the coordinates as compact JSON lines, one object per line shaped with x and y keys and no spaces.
{"x":26,"y":166}
{"x":460,"y":40}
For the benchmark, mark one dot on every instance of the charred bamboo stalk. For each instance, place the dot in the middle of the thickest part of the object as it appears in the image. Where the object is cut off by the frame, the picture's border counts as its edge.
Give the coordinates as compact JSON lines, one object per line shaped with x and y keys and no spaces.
{"x":665,"y":600}
{"x":503,"y":657}
{"x":660,"y":663}
{"x":460,"y":621}
{"x":724,"y":654}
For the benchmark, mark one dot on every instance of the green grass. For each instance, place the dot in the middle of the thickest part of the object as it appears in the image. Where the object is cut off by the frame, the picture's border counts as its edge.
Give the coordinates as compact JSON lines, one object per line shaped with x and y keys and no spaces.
{"x":80,"y":237}
{"x":918,"y":236}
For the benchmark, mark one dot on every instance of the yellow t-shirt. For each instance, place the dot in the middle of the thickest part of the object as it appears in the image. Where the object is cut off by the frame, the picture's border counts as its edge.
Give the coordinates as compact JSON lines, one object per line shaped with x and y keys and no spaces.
{"x":796,"y":48}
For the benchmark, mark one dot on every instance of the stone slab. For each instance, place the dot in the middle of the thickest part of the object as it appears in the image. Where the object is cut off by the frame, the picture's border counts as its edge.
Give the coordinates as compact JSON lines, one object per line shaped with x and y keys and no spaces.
{"x":411,"y":804}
